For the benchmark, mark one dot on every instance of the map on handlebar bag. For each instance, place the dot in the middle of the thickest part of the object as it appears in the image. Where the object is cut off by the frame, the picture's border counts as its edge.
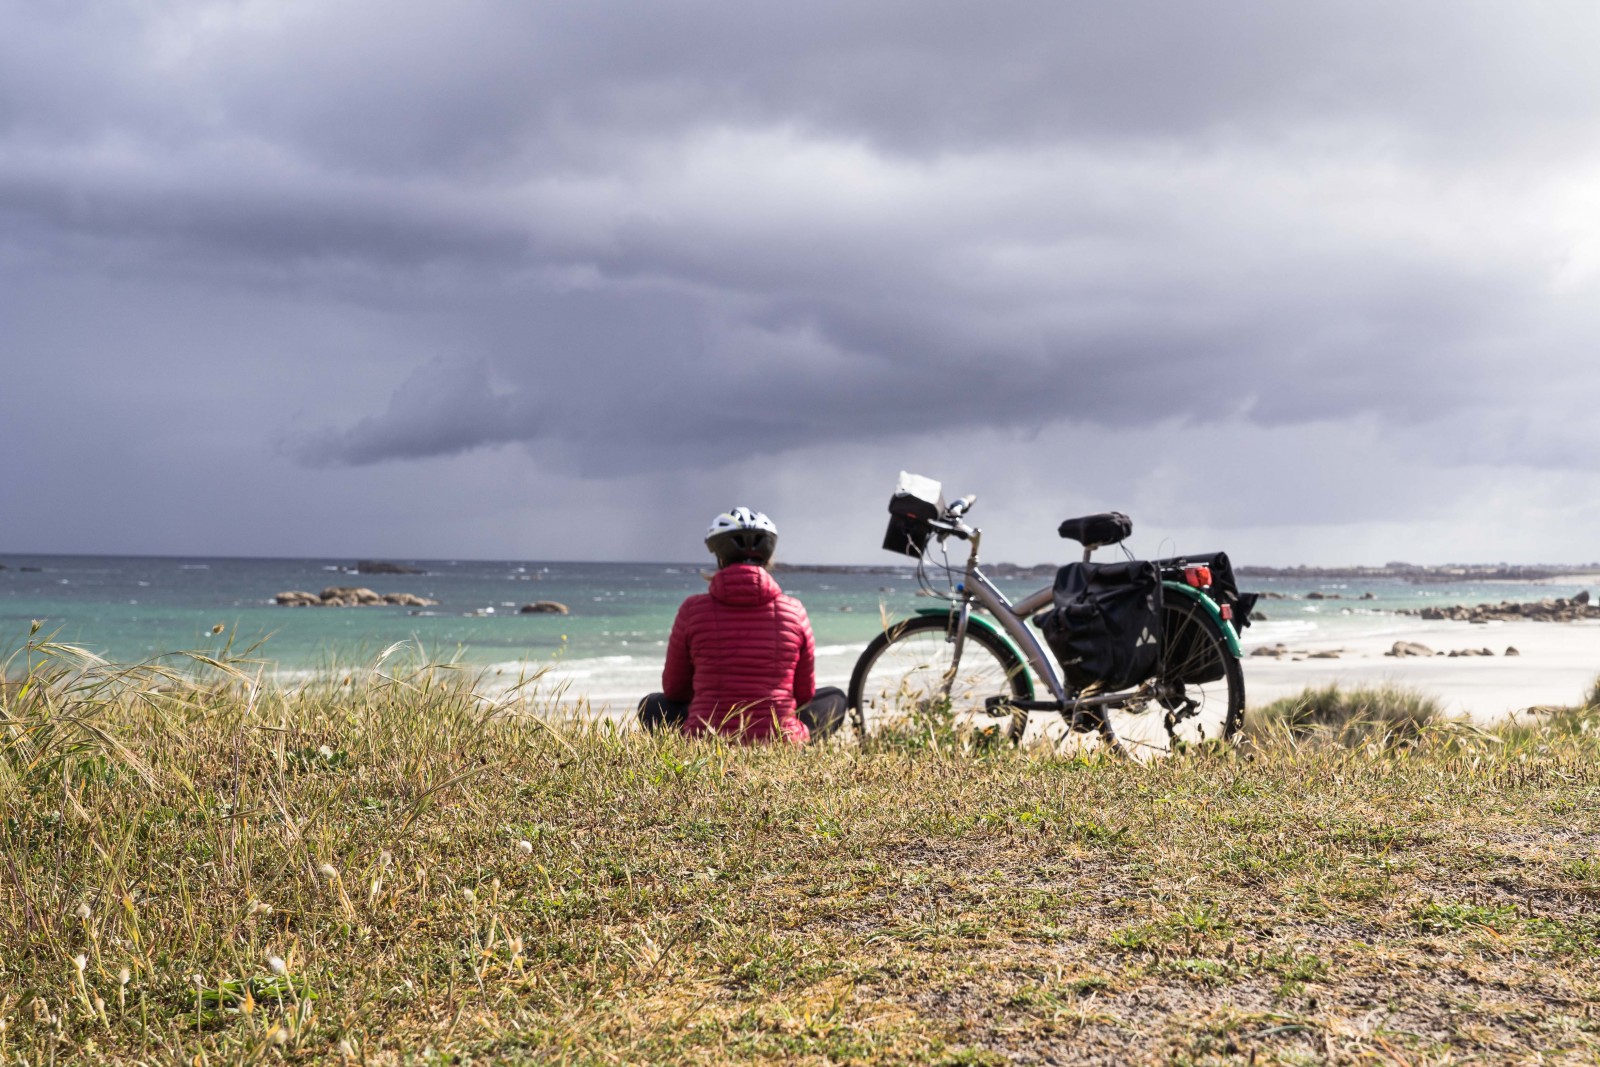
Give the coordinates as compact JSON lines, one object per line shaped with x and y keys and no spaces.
{"x":1104,"y":625}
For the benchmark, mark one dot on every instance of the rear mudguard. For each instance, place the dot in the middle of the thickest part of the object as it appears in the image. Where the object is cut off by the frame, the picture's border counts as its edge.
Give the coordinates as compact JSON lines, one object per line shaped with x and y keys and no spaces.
{"x":974,"y":619}
{"x":1228,"y":632}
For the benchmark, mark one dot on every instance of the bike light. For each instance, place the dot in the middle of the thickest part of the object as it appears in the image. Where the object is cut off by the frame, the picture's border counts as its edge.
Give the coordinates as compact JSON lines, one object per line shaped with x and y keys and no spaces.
{"x":1199,"y":577}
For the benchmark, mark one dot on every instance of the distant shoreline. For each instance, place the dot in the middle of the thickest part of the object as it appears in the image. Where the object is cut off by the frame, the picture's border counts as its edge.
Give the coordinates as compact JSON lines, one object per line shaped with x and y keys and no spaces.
{"x":1449,"y":572}
{"x":1408,"y":572}
{"x":26,"y":562}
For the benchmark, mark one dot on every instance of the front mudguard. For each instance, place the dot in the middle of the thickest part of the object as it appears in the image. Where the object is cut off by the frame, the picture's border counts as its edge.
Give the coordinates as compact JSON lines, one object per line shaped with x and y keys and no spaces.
{"x":974,"y":619}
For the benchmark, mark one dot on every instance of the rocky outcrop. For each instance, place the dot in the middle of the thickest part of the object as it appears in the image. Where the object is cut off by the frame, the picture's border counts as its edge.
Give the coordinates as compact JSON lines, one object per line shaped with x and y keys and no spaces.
{"x":1408,"y":648}
{"x":350,"y":596}
{"x":378,"y":566}
{"x":1559,"y":609}
{"x":543,"y":607}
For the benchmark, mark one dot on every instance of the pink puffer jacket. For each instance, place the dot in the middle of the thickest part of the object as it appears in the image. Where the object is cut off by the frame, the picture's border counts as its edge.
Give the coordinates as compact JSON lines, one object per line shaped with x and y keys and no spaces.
{"x":743,"y":658}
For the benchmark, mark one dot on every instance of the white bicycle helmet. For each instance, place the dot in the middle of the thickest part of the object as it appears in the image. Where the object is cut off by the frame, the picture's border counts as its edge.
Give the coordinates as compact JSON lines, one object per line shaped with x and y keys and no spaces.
{"x":742,"y":536}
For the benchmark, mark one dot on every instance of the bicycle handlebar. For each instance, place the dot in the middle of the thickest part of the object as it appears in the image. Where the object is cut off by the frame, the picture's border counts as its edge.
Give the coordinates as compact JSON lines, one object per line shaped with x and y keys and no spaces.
{"x":959,"y":508}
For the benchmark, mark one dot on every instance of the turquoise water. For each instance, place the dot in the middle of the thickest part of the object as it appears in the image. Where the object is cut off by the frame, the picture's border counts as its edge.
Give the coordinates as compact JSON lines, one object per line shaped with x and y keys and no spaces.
{"x":610,"y":646}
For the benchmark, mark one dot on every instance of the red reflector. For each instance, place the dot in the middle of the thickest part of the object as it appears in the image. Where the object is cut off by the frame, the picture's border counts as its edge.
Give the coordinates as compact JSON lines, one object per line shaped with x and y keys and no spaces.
{"x":1199,"y":577}
{"x":1227,"y":611}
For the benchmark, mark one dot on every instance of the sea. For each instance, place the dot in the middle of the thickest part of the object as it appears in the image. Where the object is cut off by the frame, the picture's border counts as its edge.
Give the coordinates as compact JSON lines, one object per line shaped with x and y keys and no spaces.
{"x":606,"y":651}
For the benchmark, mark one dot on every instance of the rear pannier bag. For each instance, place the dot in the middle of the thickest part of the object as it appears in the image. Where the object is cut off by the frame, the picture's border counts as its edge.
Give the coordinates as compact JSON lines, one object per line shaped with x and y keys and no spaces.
{"x":1224,"y":588}
{"x":1191,"y":656}
{"x":1105,"y":625}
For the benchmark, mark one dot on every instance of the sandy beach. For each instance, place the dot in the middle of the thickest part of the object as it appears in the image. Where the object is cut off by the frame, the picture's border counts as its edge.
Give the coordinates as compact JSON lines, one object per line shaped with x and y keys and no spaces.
{"x":1556,"y":665}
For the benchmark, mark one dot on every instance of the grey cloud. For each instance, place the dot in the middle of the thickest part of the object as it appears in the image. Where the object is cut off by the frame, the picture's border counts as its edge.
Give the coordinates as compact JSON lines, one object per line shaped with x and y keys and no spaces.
{"x":671,"y":238}
{"x":442,"y":409}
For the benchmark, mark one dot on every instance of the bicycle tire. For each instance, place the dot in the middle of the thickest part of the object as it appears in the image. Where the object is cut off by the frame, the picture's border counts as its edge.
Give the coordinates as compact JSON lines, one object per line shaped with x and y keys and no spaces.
{"x":1201,"y":684}
{"x":897,"y":680}
{"x":1197,"y":695}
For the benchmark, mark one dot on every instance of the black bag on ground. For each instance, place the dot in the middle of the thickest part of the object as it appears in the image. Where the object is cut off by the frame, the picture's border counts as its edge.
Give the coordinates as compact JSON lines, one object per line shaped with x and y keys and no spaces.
{"x":1105,"y":625}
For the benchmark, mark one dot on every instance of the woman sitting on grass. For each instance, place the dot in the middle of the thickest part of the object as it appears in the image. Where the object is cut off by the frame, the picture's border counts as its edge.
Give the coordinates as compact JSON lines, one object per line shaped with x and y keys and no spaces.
{"x":741,"y":660}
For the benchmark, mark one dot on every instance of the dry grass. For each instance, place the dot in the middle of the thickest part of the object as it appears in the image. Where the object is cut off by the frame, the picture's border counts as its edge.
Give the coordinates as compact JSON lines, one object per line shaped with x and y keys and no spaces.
{"x":392,"y":871}
{"x":1387,"y":714}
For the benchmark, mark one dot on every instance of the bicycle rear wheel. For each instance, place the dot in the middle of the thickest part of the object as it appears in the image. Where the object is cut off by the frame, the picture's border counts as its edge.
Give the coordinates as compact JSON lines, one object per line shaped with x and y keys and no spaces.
{"x":1200,"y":689}
{"x":909,"y":680}
{"x":1197,"y":696}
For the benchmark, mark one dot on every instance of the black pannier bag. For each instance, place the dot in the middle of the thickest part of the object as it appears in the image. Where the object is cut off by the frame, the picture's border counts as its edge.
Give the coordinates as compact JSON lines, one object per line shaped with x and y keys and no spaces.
{"x":1224,"y":588}
{"x":1184,"y":655}
{"x":916,"y":502}
{"x":1105,"y":625}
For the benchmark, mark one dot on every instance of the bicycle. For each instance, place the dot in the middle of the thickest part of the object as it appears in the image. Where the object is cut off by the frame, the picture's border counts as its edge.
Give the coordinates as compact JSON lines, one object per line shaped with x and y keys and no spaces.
{"x":960,"y":668}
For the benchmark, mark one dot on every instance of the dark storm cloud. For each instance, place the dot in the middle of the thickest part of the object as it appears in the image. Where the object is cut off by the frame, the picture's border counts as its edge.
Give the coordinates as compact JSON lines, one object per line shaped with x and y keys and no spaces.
{"x":665,"y":236}
{"x":440,"y":410}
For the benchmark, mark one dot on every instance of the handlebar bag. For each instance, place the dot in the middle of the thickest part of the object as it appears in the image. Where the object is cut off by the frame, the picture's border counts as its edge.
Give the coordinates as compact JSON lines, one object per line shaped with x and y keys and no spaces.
{"x":916,"y":502}
{"x":1104,"y":625}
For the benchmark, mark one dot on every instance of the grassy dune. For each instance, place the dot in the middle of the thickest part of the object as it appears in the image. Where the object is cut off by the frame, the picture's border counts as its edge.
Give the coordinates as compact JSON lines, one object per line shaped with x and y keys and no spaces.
{"x":391,"y":871}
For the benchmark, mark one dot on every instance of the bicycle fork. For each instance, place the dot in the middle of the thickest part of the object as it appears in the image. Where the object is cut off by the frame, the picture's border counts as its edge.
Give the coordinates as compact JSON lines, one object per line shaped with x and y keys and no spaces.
{"x":956,"y":636}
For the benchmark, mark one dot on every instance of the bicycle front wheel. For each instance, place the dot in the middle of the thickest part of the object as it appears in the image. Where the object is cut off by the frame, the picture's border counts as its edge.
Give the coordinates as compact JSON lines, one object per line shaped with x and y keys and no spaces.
{"x":910,"y":679}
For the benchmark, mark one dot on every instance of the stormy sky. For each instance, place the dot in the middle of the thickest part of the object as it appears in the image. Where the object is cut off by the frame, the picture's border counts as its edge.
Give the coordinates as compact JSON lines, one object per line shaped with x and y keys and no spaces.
{"x":1309,"y":282}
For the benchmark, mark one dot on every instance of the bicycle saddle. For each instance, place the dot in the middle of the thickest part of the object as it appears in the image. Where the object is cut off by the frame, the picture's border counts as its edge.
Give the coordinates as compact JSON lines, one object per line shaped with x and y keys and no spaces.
{"x":1107,"y":528}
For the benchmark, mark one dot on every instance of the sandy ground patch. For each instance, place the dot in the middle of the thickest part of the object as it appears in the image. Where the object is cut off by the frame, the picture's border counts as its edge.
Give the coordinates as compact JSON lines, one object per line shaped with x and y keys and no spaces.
{"x":1557,"y":664}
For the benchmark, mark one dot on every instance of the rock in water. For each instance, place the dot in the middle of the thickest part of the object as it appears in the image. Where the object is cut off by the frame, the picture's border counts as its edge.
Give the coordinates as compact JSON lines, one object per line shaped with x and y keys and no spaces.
{"x":543,"y":607}
{"x":348,"y":596}
{"x":352,"y":594}
{"x":408,"y":600}
{"x":378,"y":566}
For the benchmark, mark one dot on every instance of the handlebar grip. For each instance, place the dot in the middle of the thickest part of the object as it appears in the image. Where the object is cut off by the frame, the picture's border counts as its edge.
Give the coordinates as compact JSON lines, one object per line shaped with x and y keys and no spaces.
{"x":960,"y":506}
